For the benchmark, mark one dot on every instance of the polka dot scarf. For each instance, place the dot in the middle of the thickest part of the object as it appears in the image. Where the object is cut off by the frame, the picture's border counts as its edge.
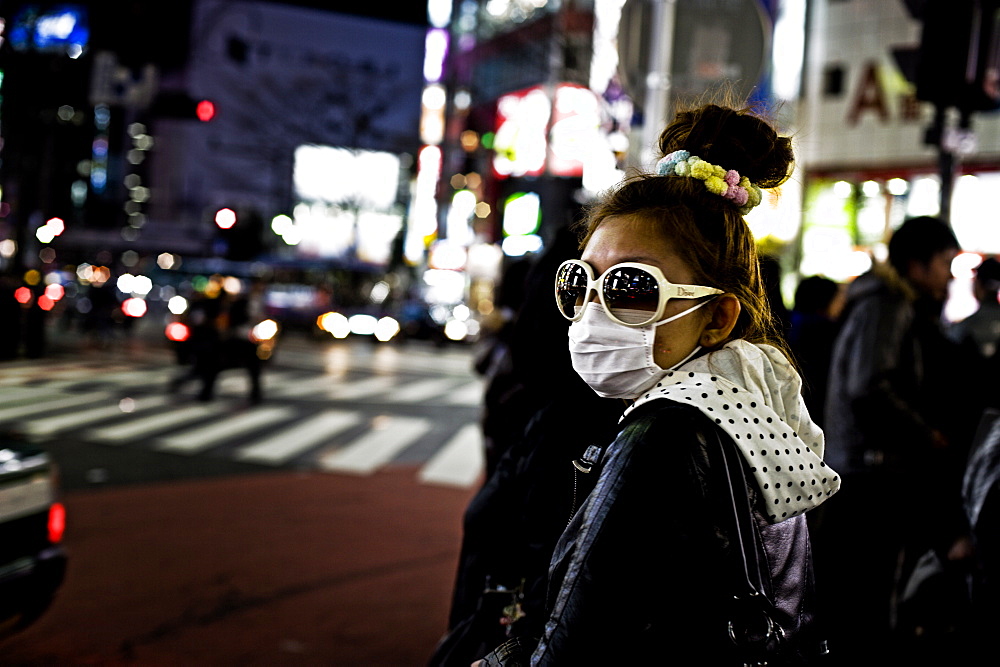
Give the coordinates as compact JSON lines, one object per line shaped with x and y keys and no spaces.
{"x":753,"y":393}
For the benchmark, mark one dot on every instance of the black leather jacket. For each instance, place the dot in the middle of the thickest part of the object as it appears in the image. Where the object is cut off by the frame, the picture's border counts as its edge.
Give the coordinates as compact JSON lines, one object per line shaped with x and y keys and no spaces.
{"x":643,"y":571}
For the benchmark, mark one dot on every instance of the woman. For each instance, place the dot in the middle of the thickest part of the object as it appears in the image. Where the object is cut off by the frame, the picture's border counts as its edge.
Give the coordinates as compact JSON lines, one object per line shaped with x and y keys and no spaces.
{"x":669,"y":313}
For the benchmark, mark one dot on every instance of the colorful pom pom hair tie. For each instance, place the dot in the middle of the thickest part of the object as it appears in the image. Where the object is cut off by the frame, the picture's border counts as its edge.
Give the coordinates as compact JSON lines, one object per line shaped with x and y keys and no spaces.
{"x":717,"y":180}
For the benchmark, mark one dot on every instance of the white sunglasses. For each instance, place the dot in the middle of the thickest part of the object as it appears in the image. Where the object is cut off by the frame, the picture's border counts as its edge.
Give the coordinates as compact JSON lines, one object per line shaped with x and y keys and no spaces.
{"x":632,"y":294}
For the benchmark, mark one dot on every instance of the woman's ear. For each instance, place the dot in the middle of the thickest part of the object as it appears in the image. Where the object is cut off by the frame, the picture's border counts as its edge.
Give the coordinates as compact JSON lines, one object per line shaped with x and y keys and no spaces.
{"x":724,"y":311}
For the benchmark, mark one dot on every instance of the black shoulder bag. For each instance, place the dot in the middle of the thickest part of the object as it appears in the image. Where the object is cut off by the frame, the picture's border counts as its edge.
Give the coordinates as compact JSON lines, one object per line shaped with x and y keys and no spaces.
{"x":757,"y":638}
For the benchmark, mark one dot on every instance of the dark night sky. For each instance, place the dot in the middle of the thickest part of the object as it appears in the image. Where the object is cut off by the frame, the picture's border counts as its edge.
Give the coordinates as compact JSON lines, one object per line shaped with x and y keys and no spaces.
{"x":404,"y":11}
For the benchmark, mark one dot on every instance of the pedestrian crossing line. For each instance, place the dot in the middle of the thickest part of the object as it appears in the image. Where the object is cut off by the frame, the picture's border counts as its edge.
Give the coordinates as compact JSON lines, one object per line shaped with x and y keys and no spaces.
{"x":239,"y":379}
{"x":57,"y":403}
{"x":51,"y":425}
{"x":280,"y":447}
{"x":362,"y":388}
{"x":200,"y":438}
{"x":233,"y":382}
{"x":11,"y":396}
{"x":459,"y":462}
{"x":135,"y":428}
{"x":470,"y":393}
{"x":141,"y":378}
{"x":388,"y":437}
{"x":423,"y":390}
{"x":36,"y":370}
{"x":54,"y":381}
{"x":342,"y":359}
{"x":289,"y":387}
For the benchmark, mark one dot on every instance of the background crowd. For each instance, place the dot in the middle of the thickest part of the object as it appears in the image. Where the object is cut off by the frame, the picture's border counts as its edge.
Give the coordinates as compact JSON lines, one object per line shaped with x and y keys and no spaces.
{"x":905,"y":555}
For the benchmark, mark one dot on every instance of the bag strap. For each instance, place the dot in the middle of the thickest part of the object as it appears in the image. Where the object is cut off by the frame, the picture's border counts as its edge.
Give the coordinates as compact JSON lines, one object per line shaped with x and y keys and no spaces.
{"x":751,"y":626}
{"x":743,"y":533}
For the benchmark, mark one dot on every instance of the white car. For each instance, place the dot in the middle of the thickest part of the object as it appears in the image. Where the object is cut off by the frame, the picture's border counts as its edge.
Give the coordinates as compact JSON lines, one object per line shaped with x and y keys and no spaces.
{"x":32,"y":522}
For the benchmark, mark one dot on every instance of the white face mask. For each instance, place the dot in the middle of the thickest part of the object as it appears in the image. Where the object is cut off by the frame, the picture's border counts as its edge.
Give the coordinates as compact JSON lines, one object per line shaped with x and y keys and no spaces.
{"x":614,"y":360}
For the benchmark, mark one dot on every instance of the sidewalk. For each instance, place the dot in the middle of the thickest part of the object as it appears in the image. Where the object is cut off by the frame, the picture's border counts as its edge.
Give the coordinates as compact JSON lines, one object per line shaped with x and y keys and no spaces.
{"x":270,"y":569}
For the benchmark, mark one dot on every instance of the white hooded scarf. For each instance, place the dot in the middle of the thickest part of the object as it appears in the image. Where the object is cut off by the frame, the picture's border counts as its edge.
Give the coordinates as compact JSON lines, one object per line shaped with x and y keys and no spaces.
{"x":754,"y":394}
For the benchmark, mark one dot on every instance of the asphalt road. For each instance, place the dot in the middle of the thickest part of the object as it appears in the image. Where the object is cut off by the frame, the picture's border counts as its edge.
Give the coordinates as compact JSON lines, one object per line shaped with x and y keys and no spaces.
{"x":208,"y":557}
{"x":279,"y":568}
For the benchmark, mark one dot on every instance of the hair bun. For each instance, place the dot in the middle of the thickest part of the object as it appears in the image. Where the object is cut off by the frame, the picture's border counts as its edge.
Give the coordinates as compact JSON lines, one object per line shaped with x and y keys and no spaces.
{"x":733,"y":139}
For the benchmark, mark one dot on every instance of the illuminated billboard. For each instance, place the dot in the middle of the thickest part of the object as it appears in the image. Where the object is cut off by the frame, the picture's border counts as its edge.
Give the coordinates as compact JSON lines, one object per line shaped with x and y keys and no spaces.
{"x":537,"y":135}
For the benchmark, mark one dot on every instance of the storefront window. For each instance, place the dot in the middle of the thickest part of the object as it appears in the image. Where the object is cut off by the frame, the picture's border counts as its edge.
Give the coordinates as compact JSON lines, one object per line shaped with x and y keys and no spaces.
{"x":974,"y":212}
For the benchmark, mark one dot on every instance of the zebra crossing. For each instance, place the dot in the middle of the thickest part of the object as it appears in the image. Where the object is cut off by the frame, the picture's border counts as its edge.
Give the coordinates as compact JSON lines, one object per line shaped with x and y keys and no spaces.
{"x":355,"y":420}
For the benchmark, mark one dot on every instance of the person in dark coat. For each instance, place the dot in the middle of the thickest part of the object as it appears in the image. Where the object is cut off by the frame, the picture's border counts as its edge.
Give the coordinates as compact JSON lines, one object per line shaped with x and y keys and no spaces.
{"x":10,"y":315}
{"x":981,"y":329}
{"x":900,"y":416}
{"x":220,"y":340}
{"x":541,"y":417}
{"x":812,"y":331}
{"x":715,"y":457}
{"x":507,"y":400}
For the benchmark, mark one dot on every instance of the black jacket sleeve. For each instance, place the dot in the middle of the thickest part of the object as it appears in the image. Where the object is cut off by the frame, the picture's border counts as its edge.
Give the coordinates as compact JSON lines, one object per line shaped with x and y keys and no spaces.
{"x":640,"y":573}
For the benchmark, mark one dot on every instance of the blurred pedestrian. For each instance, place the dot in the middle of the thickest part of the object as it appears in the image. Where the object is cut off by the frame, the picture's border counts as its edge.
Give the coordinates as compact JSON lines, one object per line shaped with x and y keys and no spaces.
{"x":506,"y":404}
{"x":668,"y":312}
{"x":511,"y":526}
{"x":99,"y":319}
{"x":981,"y":329}
{"x":220,"y":340}
{"x":201,"y":347}
{"x":237,"y":349}
{"x":34,"y":333}
{"x":813,"y":324}
{"x":981,"y":484}
{"x":10,"y":318}
{"x":770,"y":273}
{"x":900,"y":413}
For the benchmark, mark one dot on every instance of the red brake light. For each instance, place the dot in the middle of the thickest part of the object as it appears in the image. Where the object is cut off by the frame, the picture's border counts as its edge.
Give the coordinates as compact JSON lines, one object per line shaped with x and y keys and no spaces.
{"x":57,"y":522}
{"x":177,"y":331}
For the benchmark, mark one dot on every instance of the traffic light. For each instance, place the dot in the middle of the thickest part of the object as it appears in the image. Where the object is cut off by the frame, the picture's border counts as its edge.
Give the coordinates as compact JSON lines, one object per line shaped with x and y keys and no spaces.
{"x":204,"y":110}
{"x":959,"y":58}
{"x":182,"y":105}
{"x":239,"y":235}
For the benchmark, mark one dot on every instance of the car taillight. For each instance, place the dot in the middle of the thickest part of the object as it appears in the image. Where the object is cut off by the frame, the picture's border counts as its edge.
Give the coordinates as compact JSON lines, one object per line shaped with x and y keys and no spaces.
{"x":57,"y":522}
{"x":177,"y":332}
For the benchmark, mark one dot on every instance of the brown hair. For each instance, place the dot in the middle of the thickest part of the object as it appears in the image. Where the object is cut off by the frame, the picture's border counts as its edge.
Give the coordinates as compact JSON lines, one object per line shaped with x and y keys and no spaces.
{"x":706,"y":230}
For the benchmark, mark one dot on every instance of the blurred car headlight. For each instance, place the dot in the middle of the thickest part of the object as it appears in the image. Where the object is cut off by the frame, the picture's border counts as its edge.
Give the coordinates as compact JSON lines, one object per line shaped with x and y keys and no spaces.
{"x":335,"y":324}
{"x":177,"y":304}
{"x":363,"y":325}
{"x":386,"y":328}
{"x":265,"y":330}
{"x":456,"y":330}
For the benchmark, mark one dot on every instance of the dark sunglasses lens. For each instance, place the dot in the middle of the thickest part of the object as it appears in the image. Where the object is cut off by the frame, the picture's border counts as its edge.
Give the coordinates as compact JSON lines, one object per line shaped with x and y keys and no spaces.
{"x":571,"y":288}
{"x":632,"y":295}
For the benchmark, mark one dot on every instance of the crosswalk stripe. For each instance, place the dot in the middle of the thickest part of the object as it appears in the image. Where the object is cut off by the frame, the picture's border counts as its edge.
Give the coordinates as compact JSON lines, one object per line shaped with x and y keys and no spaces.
{"x":361,"y":388}
{"x":288,"y":388}
{"x":50,"y":425}
{"x":422,"y":390}
{"x":60,"y":381}
{"x":197,"y":439}
{"x":48,"y":372}
{"x":470,"y":393}
{"x":21,"y":411}
{"x":411,"y":360}
{"x":459,"y":462}
{"x":389,"y":436}
{"x":142,"y":378}
{"x":11,"y":396}
{"x":290,"y":442}
{"x":134,"y":428}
